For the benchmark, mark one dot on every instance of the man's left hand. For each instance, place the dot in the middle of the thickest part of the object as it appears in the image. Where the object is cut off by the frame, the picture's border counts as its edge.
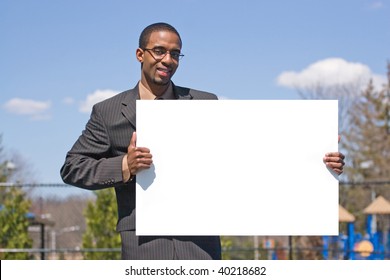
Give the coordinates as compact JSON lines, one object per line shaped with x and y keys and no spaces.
{"x":335,"y":161}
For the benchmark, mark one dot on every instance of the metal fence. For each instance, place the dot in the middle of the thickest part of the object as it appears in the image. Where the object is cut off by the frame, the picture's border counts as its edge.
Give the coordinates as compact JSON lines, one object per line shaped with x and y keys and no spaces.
{"x":281,"y":253}
{"x":60,"y":224}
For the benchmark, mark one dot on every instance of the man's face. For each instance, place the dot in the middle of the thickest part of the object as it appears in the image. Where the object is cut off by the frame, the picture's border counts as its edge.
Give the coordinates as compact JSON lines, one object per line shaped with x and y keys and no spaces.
{"x":157,"y":73}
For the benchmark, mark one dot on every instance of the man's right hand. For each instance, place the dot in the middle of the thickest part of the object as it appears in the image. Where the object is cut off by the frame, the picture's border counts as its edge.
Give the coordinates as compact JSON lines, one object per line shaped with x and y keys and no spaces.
{"x":138,"y":158}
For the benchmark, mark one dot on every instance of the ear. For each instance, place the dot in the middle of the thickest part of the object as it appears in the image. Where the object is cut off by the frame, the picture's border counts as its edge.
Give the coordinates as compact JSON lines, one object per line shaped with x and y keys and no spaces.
{"x":139,"y":53}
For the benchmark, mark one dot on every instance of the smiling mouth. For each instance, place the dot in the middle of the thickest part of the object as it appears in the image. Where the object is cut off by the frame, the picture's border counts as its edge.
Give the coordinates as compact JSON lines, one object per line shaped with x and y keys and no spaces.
{"x":163,"y":72}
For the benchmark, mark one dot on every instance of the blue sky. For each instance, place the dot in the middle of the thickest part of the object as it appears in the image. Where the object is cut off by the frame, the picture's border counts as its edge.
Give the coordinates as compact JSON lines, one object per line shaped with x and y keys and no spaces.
{"x":59,"y":57}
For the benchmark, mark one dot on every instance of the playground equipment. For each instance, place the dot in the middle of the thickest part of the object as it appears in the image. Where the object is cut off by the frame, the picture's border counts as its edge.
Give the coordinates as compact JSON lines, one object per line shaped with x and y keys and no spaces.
{"x":341,"y":246}
{"x":373,"y":245}
{"x":377,"y":227}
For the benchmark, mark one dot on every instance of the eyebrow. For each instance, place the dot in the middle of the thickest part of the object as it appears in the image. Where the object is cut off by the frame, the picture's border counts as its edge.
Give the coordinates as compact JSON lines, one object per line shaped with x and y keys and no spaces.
{"x":161,"y":47}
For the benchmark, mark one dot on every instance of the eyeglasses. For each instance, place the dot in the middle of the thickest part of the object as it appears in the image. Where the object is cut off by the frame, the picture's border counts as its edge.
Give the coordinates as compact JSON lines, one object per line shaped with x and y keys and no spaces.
{"x":160,"y":53}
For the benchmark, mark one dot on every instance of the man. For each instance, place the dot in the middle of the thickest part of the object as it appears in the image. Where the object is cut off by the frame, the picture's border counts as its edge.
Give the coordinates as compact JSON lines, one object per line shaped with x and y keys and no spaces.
{"x":102,"y":157}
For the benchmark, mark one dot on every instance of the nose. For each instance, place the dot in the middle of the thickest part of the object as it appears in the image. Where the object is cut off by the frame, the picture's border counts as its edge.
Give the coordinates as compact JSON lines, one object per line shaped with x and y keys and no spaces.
{"x":168,"y":58}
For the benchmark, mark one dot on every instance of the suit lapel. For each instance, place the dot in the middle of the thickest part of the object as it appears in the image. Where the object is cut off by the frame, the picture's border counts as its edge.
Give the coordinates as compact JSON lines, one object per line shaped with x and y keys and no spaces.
{"x":129,"y":105}
{"x":129,"y":101}
{"x":182,"y":93}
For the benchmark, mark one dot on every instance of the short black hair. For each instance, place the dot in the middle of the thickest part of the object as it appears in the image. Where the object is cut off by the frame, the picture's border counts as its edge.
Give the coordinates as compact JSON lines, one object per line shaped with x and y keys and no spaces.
{"x":155,"y":27}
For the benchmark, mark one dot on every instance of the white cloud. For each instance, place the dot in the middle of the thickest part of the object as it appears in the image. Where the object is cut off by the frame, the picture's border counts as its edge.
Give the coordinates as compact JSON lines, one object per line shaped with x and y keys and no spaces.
{"x":68,"y":100}
{"x":376,"y":5}
{"x":330,"y":72}
{"x":95,"y":97}
{"x":37,"y":110}
{"x":42,"y":117}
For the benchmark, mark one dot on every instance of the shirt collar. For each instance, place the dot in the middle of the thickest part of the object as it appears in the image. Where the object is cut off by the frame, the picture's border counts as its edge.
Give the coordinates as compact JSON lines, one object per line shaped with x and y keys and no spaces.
{"x":146,"y":94}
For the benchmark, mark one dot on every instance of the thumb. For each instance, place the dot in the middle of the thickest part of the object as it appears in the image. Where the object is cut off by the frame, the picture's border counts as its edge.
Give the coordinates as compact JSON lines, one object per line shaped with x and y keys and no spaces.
{"x":133,"y":141}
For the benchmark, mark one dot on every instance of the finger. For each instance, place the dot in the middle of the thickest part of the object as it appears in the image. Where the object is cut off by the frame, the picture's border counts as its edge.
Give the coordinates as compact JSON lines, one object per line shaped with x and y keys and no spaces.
{"x":142,"y":150}
{"x":144,"y":161}
{"x":335,"y":165}
{"x":140,"y":164}
{"x":337,"y":171}
{"x":133,"y":141}
{"x":334,"y":154}
{"x":333,"y":159}
{"x":139,"y":155}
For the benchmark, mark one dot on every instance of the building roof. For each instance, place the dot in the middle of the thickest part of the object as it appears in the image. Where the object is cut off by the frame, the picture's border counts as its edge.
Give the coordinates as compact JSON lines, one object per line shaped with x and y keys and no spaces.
{"x":379,"y":206}
{"x":345,"y":216}
{"x":36,"y":220}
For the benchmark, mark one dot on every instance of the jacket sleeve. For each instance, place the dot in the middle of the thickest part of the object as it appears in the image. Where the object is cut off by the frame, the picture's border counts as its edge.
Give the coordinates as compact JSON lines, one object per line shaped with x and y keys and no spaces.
{"x":90,"y":163}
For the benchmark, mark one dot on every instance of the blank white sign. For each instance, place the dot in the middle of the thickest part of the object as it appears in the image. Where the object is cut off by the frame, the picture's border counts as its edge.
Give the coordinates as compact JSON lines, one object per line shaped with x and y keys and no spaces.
{"x":237,"y":167}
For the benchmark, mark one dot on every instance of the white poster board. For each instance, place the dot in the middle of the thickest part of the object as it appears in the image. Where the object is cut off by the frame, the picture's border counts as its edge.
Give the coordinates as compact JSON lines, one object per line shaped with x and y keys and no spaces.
{"x":237,"y":167}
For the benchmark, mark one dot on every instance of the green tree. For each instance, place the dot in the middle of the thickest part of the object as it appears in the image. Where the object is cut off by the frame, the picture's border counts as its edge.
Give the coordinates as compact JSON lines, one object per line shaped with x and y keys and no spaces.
{"x":14,"y":207}
{"x":14,"y":223}
{"x":226,"y":245}
{"x":101,"y":217}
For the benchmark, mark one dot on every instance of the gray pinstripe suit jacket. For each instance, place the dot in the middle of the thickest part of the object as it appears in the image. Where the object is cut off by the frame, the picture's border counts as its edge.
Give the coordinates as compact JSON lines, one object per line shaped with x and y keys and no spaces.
{"x":95,"y":162}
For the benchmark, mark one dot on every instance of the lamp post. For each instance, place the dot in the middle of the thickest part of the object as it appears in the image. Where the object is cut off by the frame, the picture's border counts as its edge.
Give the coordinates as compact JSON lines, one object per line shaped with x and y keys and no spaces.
{"x":256,"y":247}
{"x":367,"y":165}
{"x":6,"y":170}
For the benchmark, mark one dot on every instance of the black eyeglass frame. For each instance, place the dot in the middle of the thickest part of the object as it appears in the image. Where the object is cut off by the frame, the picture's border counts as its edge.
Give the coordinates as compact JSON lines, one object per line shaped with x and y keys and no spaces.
{"x":175,"y":55}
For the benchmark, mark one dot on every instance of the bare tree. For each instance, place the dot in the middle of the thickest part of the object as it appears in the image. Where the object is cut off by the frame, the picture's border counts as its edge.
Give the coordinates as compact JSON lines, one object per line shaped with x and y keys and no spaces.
{"x":367,"y":139}
{"x":344,"y":93}
{"x":364,"y":124}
